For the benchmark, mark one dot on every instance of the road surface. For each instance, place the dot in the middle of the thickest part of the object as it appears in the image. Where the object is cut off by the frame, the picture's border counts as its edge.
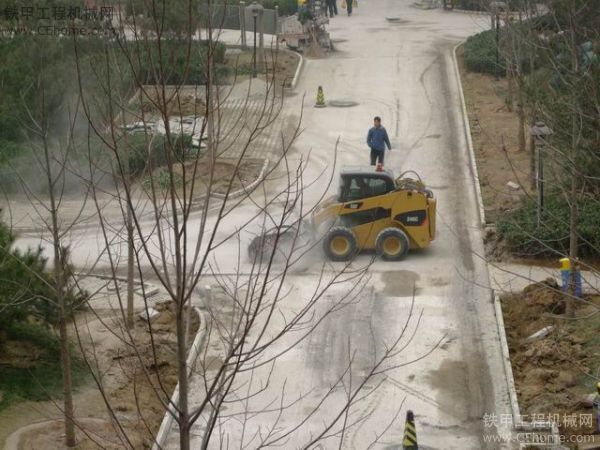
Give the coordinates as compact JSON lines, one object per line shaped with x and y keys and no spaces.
{"x":403,"y":71}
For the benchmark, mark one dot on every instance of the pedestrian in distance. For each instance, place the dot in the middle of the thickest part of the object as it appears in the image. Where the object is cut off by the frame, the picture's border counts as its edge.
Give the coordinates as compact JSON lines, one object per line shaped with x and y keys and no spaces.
{"x":332,"y":7}
{"x":348,"y":4}
{"x":377,"y":140}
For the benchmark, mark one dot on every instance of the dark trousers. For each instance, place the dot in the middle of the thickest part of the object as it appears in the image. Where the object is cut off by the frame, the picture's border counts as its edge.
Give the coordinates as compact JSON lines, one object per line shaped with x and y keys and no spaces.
{"x":332,"y":7}
{"x":377,"y":155}
{"x":349,"y":6}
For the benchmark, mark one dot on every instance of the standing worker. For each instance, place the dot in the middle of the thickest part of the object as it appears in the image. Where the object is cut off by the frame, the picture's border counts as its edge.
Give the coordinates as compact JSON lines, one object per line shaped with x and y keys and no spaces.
{"x":377,"y":140}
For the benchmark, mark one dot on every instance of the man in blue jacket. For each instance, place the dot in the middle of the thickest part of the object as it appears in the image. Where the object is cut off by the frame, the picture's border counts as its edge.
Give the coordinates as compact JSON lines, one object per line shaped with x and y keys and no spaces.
{"x":377,"y":140}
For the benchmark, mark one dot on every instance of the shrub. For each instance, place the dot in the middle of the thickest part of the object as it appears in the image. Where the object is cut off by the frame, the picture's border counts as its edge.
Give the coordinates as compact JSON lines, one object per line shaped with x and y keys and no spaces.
{"x":520,"y":231}
{"x":139,"y":160}
{"x":27,"y":286}
{"x":286,"y":7}
{"x":480,"y":53}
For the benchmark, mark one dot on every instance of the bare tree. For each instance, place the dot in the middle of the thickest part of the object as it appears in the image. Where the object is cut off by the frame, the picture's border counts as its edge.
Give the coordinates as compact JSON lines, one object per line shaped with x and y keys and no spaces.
{"x":180,"y":216}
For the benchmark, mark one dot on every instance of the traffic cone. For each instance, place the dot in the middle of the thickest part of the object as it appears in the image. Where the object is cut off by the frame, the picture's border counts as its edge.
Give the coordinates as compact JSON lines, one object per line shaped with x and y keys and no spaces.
{"x":410,"y":433}
{"x":320,"y":98}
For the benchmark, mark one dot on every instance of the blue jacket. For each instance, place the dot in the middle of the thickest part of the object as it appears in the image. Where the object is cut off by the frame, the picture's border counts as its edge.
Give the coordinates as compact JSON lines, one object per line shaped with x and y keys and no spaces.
{"x":377,"y":139}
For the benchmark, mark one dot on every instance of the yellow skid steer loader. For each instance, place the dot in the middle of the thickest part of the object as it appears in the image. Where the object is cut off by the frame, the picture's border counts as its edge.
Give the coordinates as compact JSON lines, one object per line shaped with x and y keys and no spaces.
{"x":371,"y":211}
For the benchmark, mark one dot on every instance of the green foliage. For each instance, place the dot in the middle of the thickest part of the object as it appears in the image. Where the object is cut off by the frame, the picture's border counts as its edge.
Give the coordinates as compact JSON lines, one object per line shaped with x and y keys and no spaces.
{"x":24,"y":287}
{"x":480,"y":53}
{"x":44,"y":379}
{"x":27,"y":289}
{"x":181,"y":63}
{"x":520,"y":231}
{"x":141,"y":159}
{"x":286,"y":7}
{"x":174,"y":18}
{"x":484,"y":5}
{"x":162,"y":180}
{"x":40,"y":75}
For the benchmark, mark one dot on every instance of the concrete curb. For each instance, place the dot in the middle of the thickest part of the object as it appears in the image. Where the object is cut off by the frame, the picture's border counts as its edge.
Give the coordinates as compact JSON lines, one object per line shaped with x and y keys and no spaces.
{"x":467,"y":130}
{"x":468,"y":11}
{"x":167,"y":422}
{"x":518,"y":425}
{"x":298,"y":70}
{"x":508,"y":373}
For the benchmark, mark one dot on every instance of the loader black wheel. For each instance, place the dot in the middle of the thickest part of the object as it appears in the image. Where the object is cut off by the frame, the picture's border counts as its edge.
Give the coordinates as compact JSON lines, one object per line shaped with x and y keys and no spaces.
{"x":392,"y":244}
{"x":340,"y":244}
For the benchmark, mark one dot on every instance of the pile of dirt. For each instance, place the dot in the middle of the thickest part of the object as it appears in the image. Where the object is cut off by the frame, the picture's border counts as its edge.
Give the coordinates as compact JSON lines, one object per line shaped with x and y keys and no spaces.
{"x":224,"y":171}
{"x":554,"y":373}
{"x":280,"y":67}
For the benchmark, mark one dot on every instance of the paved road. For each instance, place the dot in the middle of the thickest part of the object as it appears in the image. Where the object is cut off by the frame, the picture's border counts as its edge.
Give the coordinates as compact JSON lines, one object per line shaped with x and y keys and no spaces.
{"x":404,"y":72}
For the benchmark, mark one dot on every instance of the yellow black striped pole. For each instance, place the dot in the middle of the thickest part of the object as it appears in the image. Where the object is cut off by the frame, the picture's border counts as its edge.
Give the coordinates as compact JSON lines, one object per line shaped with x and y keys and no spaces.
{"x":410,"y":433}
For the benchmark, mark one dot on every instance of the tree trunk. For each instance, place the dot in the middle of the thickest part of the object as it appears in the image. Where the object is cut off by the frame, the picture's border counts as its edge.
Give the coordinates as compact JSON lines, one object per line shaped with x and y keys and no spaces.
{"x":521,"y":113}
{"x":184,"y":426}
{"x":573,"y":241}
{"x":59,"y":287}
{"x":573,"y":197}
{"x":130,"y":265}
{"x":532,"y":164}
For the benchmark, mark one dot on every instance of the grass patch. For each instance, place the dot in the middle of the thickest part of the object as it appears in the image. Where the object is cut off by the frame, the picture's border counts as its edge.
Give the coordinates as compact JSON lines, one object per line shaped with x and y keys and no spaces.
{"x":524,"y":237}
{"x":587,"y":330}
{"x":35,"y":376}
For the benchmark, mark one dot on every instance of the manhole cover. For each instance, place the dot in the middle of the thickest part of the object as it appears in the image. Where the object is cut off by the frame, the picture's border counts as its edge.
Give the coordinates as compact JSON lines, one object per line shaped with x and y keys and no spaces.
{"x":396,"y":20}
{"x":342,"y":103}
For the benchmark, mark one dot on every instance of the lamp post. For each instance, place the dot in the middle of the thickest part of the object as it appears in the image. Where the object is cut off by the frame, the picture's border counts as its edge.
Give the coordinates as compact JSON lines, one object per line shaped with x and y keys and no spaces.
{"x":540,"y":133}
{"x":255,"y":9}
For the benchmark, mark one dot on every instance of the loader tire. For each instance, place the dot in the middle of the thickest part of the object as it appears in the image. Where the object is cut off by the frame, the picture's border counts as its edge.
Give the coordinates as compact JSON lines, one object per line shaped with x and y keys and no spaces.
{"x":392,"y":244}
{"x":340,"y":244}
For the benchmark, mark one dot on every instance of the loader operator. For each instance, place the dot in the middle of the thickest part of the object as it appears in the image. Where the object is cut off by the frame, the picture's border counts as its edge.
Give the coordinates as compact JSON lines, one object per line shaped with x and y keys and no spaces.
{"x":377,"y":140}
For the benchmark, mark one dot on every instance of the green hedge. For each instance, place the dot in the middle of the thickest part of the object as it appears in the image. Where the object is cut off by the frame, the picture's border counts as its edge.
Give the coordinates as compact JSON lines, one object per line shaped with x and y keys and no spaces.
{"x":140,"y":160}
{"x":175,"y":61}
{"x":484,"y":5}
{"x":524,"y":238}
{"x":480,"y":53}
{"x":286,"y":7}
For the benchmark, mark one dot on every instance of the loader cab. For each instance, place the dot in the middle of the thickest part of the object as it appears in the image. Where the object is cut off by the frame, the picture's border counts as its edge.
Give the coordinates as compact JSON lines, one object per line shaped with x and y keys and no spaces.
{"x":360,"y":183}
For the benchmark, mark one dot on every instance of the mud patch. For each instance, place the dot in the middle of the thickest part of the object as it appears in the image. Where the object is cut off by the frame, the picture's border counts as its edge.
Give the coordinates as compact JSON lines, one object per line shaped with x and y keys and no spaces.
{"x":438,"y":281}
{"x":449,"y":381}
{"x":400,"y":283}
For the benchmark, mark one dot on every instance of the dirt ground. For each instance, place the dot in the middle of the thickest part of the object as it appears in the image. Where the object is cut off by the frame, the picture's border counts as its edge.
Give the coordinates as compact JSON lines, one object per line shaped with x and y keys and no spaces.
{"x":495,"y":141}
{"x":554,"y":374}
{"x":225,"y":170}
{"x":281,"y":66}
{"x":134,"y":384}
